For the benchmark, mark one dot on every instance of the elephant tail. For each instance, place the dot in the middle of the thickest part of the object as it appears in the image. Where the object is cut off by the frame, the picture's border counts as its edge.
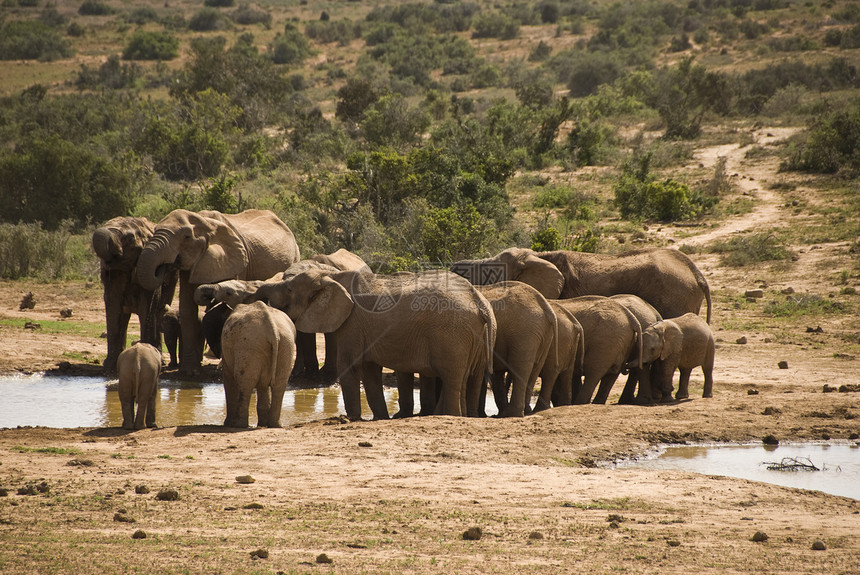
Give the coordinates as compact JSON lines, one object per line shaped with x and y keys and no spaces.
{"x":702,"y":282}
{"x":637,"y":329}
{"x":488,"y":319}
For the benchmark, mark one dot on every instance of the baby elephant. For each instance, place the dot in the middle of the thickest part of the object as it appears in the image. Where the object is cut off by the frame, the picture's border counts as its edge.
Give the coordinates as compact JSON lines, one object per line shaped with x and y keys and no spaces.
{"x":683,"y":343}
{"x":138,"y":367}
{"x":258,"y":350}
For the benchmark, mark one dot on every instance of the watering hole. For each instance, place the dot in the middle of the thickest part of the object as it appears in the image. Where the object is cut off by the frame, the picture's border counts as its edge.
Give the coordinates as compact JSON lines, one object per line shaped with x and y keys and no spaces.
{"x":838,"y":464}
{"x":63,"y":402}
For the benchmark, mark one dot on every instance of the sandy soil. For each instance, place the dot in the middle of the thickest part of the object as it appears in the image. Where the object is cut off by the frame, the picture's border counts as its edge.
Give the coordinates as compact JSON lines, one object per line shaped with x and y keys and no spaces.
{"x":397,"y":496}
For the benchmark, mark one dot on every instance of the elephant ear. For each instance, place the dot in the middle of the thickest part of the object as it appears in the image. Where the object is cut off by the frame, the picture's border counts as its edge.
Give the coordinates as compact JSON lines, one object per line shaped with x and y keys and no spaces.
{"x":541,"y":275}
{"x":329,"y":306}
{"x":673,"y":340}
{"x":224,"y":257}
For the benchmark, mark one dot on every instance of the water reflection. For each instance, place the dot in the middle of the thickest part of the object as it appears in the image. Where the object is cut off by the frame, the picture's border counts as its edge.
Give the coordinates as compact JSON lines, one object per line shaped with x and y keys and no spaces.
{"x":839,"y":464}
{"x":57,"y":401}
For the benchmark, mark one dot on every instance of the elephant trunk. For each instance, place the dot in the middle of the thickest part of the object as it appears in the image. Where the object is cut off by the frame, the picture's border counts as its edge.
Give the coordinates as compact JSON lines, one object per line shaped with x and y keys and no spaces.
{"x":155,"y":253}
{"x":205,"y":294}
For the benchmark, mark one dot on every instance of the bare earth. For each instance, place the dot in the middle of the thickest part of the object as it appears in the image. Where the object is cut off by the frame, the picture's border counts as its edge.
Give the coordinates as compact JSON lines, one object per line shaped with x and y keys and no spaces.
{"x":397,"y":496}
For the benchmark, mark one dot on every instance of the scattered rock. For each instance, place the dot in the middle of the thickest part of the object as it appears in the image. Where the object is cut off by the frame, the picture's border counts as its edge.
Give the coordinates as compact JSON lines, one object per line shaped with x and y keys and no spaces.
{"x":615,"y":518}
{"x":742,"y":340}
{"x":819,"y":545}
{"x":81,"y":463}
{"x":782,"y":365}
{"x":27,"y":490}
{"x":770,"y":440}
{"x":614,"y":525}
{"x":260,"y":554}
{"x":752,"y":392}
{"x":814,"y":330}
{"x":771,"y":411}
{"x":4,"y":492}
{"x":759,"y":537}
{"x":788,"y":291}
{"x":828,"y":389}
{"x":473,"y":534}
{"x":365,"y":444}
{"x":535,"y":536}
{"x":139,"y":534}
{"x":245,"y":479}
{"x":253,"y":506}
{"x":852,"y":436}
{"x":32,"y":325}
{"x":167,"y":495}
{"x":123,"y":518}
{"x":754,"y":293}
{"x":324,"y":559}
{"x":849,"y":388}
{"x":27,"y":302}
{"x":66,"y":312}
{"x":673,"y":543}
{"x":141,"y":489}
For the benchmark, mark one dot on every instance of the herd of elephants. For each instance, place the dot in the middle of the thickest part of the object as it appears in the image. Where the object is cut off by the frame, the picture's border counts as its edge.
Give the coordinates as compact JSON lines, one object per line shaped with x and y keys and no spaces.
{"x":576,"y":320}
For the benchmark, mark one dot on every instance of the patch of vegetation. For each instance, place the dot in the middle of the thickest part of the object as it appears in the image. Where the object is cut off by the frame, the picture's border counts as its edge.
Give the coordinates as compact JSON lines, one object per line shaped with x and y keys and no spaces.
{"x":48,"y":450}
{"x":151,"y":45}
{"x":31,"y":40}
{"x":750,"y":249}
{"x":803,"y":305}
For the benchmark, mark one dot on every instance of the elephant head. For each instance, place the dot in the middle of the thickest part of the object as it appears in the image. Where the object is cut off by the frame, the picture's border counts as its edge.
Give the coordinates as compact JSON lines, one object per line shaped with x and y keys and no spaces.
{"x":517,"y":264}
{"x":661,"y":340}
{"x":119,"y":241}
{"x":230,"y":292}
{"x":204,"y":244}
{"x":313,"y":300}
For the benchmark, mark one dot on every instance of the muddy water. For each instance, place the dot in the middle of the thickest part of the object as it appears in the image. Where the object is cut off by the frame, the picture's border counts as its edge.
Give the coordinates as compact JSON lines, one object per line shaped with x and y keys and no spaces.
{"x":839,"y":464}
{"x":94,"y":402}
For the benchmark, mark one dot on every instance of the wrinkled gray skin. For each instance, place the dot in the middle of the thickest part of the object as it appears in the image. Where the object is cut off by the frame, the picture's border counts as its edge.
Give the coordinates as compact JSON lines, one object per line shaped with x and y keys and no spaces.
{"x":682,"y":343}
{"x":526,"y":331}
{"x":434,"y":324}
{"x":259,"y":349}
{"x":665,"y":278}
{"x":138,"y":368}
{"x":558,"y":371}
{"x":209,"y":247}
{"x":647,"y":315}
{"x":613,"y":340}
{"x":118,"y":243}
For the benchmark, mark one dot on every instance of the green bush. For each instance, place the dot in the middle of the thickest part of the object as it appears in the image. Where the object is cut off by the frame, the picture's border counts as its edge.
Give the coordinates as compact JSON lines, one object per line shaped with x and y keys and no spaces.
{"x":31,"y":40}
{"x":546,"y":239}
{"x":207,"y":19}
{"x":831,"y":143}
{"x":291,"y":47}
{"x":327,"y":31}
{"x":495,"y":25}
{"x":27,"y":250}
{"x":245,"y":15}
{"x":112,"y":74}
{"x":142,"y":15}
{"x":151,"y":45}
{"x":801,"y":305}
{"x":95,"y":8}
{"x":454,"y":233}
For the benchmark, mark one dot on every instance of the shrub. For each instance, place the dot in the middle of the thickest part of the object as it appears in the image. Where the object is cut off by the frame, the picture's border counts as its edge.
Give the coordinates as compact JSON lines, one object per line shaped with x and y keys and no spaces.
{"x":454,"y":233}
{"x":27,"y":250}
{"x":206,"y":20}
{"x":546,"y":239}
{"x":112,"y":74}
{"x":151,"y":45}
{"x":142,"y":15}
{"x":354,"y":98}
{"x":290,"y":47}
{"x":494,"y":25}
{"x":246,"y":16}
{"x":31,"y":40}
{"x":95,"y":8}
{"x":589,"y":70}
{"x":800,"y":305}
{"x":588,"y":140}
{"x":327,"y":31}
{"x":832,"y":144}
{"x":219,"y":3}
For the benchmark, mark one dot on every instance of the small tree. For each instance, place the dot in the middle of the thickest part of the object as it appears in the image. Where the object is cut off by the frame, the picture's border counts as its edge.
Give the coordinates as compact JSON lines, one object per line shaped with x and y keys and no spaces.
{"x":151,"y":45}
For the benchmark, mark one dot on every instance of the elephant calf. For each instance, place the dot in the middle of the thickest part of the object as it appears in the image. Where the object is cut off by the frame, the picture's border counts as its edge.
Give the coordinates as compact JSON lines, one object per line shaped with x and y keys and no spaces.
{"x":138,"y":367}
{"x":258,"y":347}
{"x":687,"y":342}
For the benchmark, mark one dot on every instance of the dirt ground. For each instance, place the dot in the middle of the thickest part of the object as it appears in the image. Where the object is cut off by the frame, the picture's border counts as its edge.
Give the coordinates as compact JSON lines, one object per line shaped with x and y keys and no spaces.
{"x":398,"y":496}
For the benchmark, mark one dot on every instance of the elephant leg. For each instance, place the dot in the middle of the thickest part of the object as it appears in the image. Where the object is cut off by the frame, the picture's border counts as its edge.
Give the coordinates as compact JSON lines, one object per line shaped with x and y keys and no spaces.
{"x":431,"y":392}
{"x":264,"y":404}
{"x":306,"y":346}
{"x":708,"y":372}
{"x":372,"y":377}
{"x":548,"y":378}
{"x":530,"y":388}
{"x":350,"y":387}
{"x":231,"y":396}
{"x":516,"y":406}
{"x":476,"y":394}
{"x":500,"y":390}
{"x":486,"y":380}
{"x":117,"y":334}
{"x":329,"y":368}
{"x":405,"y":394}
{"x":586,"y":389}
{"x":683,"y":383}
{"x":127,"y":413}
{"x":628,"y":394}
{"x":191,"y":351}
{"x":561,"y":390}
{"x":150,"y":406}
{"x":453,"y":392}
{"x":606,"y":383}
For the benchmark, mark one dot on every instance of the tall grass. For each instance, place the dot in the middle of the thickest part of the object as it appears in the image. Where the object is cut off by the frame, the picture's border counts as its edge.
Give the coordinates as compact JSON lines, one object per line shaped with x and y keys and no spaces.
{"x":28,"y":251}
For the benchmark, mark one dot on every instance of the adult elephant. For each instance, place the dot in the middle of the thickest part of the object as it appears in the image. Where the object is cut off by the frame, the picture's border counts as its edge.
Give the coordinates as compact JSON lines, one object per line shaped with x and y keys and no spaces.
{"x":557,"y":373}
{"x":527,"y":329}
{"x":118,"y":244}
{"x":259,"y":350}
{"x":613,"y":343}
{"x":209,"y":247}
{"x":434,"y":324}
{"x":665,"y":278}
